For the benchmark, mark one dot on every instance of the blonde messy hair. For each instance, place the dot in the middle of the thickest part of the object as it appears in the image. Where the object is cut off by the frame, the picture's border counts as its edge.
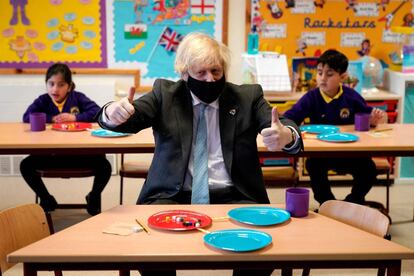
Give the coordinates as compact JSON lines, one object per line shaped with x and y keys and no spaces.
{"x":200,"y":48}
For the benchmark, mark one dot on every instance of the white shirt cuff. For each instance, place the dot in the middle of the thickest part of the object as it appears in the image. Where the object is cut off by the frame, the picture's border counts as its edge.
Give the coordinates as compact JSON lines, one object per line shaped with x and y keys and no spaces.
{"x":297,"y":138}
{"x":105,"y":120}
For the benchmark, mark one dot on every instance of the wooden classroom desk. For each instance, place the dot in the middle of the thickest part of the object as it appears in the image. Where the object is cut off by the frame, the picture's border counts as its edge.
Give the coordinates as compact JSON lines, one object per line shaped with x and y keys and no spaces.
{"x":276,"y":96}
{"x":314,"y":241}
{"x":397,"y":140}
{"x":16,"y":138}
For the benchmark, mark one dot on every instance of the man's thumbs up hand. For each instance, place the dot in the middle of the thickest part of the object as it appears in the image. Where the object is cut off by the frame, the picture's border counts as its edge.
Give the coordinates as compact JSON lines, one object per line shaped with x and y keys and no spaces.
{"x":275,"y":118}
{"x":119,"y":112}
{"x":131,"y":94}
{"x":277,"y":136}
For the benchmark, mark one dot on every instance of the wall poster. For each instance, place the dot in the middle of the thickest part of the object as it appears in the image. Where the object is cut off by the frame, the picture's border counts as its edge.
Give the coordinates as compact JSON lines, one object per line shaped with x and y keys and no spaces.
{"x":130,"y":34}
{"x":145,"y":34}
{"x":305,"y":28}
{"x":36,"y":33}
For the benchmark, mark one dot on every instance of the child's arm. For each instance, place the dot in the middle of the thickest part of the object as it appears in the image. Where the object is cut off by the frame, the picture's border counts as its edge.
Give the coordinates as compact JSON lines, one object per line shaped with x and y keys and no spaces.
{"x":64,"y":117}
{"x":377,"y":117}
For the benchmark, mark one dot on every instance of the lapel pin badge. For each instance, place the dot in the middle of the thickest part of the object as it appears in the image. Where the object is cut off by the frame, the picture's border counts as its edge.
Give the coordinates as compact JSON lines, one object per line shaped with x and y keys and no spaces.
{"x":232,"y":111}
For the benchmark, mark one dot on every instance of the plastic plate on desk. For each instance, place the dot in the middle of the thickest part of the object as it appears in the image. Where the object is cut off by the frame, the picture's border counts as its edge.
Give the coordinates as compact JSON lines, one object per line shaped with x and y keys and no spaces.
{"x":260,"y":216}
{"x":238,"y":240}
{"x":319,"y":129}
{"x":108,"y":133}
{"x":179,"y":220}
{"x":338,"y":137}
{"x":74,"y":126}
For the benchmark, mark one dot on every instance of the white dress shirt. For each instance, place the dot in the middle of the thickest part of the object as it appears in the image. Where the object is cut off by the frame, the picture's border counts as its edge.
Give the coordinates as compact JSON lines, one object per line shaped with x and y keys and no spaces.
{"x":218,"y":177}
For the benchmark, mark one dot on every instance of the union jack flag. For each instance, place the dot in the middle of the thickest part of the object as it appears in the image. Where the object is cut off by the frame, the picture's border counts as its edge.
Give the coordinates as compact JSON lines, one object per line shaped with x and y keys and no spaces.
{"x":170,"y":39}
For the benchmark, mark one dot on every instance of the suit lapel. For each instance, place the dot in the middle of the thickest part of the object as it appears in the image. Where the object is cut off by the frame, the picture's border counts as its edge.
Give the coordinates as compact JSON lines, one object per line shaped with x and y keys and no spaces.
{"x":184,"y":119}
{"x":227,"y":113}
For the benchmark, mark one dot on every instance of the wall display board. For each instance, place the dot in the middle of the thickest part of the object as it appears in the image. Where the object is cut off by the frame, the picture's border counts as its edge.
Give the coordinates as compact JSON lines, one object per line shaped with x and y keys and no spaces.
{"x":145,"y":34}
{"x":38,"y":33}
{"x":305,"y":28}
{"x":130,"y":34}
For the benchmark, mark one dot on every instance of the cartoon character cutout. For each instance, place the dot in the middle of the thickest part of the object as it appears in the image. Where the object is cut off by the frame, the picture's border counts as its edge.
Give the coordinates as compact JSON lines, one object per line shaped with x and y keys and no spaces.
{"x":365,"y":48}
{"x":290,"y":4}
{"x":20,"y":45}
{"x":274,"y":8}
{"x":408,"y":20}
{"x":301,"y":46}
{"x":350,"y":4}
{"x":19,"y":5}
{"x":319,"y":3}
{"x":68,"y":33}
{"x":383,"y":4}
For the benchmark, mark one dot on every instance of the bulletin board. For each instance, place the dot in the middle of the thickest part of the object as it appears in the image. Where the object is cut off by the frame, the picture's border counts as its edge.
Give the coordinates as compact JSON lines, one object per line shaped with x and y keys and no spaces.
{"x":124,"y":34}
{"x":145,"y":34}
{"x":38,"y":33}
{"x":305,"y":28}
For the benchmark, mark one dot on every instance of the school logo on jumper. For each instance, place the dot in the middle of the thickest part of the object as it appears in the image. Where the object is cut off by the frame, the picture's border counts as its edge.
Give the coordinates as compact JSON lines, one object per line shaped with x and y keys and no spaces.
{"x":344,"y":113}
{"x":74,"y":110}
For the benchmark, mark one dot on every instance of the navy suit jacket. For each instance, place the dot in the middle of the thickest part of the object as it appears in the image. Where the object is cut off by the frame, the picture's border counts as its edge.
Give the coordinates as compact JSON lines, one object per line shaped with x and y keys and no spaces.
{"x":168,"y":109}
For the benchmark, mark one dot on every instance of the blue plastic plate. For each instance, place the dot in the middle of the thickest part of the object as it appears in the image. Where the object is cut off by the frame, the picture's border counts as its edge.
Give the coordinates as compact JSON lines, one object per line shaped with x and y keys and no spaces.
{"x":260,"y":215}
{"x":107,"y":133}
{"x":238,"y":240}
{"x":338,"y":137}
{"x":319,"y":129}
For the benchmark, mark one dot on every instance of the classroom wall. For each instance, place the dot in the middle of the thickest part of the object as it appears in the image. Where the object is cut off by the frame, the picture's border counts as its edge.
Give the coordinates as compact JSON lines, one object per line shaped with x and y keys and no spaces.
{"x":236,"y":38}
{"x":18,"y":91}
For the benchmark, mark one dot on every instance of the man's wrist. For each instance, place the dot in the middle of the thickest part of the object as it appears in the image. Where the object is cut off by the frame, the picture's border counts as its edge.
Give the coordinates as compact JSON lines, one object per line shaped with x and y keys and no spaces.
{"x":295,"y":138}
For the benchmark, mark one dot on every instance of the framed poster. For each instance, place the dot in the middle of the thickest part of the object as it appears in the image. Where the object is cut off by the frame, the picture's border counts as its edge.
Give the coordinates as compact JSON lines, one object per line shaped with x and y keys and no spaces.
{"x":145,"y":34}
{"x":35,"y":34}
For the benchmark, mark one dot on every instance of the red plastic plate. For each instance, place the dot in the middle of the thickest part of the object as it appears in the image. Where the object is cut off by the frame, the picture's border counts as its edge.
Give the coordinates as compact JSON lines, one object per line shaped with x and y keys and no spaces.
{"x":179,"y":220}
{"x":73,"y":126}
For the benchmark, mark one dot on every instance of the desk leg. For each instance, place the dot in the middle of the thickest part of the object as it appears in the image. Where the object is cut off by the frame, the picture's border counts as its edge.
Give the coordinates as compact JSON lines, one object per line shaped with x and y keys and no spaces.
{"x":29,"y":270}
{"x":394,"y":268}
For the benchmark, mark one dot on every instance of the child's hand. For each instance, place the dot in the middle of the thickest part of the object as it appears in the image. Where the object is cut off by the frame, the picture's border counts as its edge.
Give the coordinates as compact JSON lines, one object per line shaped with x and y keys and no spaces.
{"x":119,"y":112}
{"x":64,"y":117}
{"x":377,"y":116}
{"x":277,"y":136}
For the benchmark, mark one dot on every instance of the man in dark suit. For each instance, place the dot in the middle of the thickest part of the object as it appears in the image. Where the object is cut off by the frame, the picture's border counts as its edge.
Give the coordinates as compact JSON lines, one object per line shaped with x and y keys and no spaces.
{"x":233,"y":116}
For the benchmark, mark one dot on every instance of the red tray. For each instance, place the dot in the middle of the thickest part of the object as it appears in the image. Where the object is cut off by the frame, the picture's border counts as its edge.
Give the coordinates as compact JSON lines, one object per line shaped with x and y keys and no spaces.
{"x":72,"y":126}
{"x":179,"y":220}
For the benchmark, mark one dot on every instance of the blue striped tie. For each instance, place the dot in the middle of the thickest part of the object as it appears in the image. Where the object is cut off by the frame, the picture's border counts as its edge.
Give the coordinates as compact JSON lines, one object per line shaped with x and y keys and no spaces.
{"x":200,"y":193}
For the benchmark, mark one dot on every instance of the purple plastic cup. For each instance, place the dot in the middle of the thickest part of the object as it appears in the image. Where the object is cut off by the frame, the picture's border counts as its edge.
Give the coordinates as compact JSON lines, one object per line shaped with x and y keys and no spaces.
{"x":362,"y":121}
{"x":37,"y":121}
{"x":297,"y":202}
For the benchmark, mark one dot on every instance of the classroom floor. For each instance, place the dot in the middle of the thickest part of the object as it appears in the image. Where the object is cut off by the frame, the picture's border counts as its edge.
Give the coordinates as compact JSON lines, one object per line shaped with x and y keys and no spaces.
{"x":402,"y":229}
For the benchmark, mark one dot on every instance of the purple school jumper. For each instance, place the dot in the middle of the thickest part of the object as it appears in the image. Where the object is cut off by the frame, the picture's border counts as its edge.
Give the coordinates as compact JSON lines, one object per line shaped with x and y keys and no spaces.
{"x":76,"y":103}
{"x":339,"y":111}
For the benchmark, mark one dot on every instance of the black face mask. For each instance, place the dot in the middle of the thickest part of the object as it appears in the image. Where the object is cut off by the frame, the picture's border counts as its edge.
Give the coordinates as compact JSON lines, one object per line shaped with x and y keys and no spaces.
{"x":206,"y":91}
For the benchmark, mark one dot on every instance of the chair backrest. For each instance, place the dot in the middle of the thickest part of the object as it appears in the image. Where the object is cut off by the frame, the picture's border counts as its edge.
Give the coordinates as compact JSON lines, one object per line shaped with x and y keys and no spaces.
{"x":359,"y":216}
{"x":134,"y":169}
{"x":20,"y":226}
{"x":281,"y":175}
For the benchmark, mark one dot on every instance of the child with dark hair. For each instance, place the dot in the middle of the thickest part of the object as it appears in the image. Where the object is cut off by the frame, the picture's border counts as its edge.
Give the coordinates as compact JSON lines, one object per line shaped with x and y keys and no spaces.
{"x":333,"y":103}
{"x":62,"y":104}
